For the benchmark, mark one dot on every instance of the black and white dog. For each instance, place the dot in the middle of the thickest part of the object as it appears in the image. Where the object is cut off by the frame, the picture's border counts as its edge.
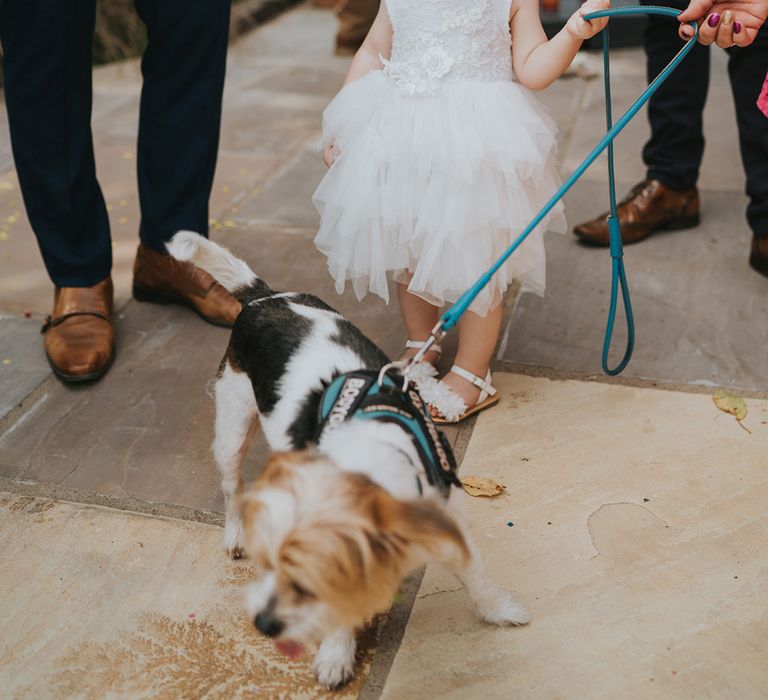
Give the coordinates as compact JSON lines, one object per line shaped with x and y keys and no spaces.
{"x":332,"y":525}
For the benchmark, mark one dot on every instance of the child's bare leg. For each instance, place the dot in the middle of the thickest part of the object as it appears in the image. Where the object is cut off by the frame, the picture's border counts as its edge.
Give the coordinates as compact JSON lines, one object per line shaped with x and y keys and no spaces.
{"x":478,"y":336}
{"x":419,"y":317}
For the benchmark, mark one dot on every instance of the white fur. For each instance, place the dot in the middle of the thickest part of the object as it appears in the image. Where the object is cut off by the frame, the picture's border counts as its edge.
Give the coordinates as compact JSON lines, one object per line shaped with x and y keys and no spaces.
{"x":318,"y":360}
{"x":381,"y":451}
{"x":229,"y":271}
{"x":236,"y":418}
{"x":335,"y":659}
{"x":257,"y":594}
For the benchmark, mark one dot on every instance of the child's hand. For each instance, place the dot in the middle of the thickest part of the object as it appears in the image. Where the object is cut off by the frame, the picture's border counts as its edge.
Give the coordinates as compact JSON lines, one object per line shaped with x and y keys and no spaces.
{"x":579,"y":28}
{"x":330,"y":154}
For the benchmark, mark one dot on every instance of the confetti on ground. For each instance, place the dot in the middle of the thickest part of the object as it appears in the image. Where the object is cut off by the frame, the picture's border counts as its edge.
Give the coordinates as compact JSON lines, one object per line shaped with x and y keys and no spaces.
{"x":12,"y":219}
{"x":122,"y":220}
{"x":192,"y":616}
{"x":6,"y":185}
{"x":123,"y":202}
{"x":481,"y":486}
{"x":230,"y":224}
{"x":3,"y":235}
{"x":225,"y":188}
{"x":27,"y":314}
{"x":110,"y":207}
{"x":6,"y":361}
{"x":128,"y":155}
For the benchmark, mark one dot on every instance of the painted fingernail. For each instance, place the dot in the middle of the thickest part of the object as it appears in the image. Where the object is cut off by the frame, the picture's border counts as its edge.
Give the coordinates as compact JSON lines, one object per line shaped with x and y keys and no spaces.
{"x":714,"y":20}
{"x":687,"y":32}
{"x":737,"y":27}
{"x":727,"y":18}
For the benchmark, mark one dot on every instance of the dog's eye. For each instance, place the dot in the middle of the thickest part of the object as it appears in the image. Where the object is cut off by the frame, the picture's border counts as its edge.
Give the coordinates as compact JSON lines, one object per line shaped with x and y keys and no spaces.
{"x":300,"y":591}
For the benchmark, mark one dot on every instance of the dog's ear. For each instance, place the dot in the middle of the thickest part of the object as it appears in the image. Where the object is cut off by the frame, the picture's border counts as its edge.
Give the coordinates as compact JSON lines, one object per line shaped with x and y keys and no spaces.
{"x":422,"y":529}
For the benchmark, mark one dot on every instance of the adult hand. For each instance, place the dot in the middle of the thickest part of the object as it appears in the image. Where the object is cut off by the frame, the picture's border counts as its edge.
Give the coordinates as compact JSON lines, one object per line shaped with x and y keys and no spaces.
{"x":724,"y":22}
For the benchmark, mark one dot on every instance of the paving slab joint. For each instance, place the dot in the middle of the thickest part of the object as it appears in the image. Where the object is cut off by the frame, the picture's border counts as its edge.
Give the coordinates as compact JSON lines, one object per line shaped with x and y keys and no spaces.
{"x":400,"y":612}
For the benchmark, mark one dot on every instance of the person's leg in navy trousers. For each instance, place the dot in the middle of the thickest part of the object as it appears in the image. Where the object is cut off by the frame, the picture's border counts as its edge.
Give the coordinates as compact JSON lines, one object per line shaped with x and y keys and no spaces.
{"x":47,"y":71}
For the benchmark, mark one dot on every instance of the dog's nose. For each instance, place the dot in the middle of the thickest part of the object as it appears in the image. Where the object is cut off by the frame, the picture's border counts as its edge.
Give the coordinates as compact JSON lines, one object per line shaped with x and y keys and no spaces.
{"x":268,"y":624}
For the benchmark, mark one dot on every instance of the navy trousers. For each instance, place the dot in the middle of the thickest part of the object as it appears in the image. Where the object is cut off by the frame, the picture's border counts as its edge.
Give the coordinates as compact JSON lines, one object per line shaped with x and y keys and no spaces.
{"x":47,"y":62}
{"x":674,"y":152}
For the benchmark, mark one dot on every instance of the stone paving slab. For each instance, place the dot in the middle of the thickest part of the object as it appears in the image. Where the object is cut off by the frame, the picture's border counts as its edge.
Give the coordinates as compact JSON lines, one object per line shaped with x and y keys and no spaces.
{"x":98,"y":603}
{"x":638,"y":543}
{"x":700,"y":311}
{"x":22,"y":361}
{"x":145,"y":430}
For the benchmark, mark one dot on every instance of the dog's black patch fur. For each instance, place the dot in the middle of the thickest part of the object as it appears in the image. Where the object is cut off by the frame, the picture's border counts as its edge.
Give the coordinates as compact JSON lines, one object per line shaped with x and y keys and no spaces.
{"x":265,"y":336}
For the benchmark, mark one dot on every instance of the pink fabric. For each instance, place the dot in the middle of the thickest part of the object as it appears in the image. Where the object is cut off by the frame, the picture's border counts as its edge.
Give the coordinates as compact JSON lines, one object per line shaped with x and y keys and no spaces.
{"x":762,"y":101}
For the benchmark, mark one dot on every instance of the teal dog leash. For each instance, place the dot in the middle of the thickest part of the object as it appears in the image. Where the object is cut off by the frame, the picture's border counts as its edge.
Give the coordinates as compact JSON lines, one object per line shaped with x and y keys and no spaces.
{"x":619,"y":278}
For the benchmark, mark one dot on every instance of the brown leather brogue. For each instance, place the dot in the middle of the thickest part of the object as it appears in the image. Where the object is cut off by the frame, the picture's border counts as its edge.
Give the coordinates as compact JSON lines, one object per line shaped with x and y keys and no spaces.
{"x":79,"y":337}
{"x":159,"y":279}
{"x":758,"y":257}
{"x":649,"y":207}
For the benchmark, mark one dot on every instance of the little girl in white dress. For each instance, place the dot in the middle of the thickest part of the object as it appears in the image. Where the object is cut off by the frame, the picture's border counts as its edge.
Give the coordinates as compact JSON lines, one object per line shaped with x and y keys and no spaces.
{"x":439,"y":157}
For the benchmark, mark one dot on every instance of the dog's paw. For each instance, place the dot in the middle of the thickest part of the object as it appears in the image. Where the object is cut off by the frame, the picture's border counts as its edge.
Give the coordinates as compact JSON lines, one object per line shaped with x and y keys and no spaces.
{"x":233,"y":538}
{"x":499,"y":608}
{"x":235,"y":552}
{"x":335,"y":660}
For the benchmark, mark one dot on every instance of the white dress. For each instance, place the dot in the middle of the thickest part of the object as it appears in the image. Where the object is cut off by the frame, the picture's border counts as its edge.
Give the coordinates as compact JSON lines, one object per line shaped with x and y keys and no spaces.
{"x":444,"y":159}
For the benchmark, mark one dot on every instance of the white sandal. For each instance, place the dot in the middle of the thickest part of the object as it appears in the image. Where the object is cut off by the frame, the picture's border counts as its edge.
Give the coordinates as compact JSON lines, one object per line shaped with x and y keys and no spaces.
{"x":423,"y":370}
{"x":452,"y":408}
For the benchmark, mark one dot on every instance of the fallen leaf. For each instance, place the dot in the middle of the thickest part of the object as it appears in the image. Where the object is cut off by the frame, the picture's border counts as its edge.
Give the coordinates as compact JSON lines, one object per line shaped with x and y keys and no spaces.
{"x":481,"y":486}
{"x":730,"y":403}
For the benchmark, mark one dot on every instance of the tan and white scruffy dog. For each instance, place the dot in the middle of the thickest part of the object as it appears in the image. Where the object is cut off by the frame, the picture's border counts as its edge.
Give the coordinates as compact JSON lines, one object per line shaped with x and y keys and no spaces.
{"x":333,"y":524}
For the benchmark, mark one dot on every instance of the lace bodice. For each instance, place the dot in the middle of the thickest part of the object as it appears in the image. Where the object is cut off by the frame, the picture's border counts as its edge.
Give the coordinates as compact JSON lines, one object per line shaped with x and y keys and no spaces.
{"x":439,"y":41}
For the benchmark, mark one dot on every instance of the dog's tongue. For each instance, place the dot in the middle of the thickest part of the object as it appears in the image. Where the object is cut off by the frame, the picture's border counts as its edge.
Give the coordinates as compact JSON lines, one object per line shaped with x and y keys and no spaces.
{"x":293,"y":650}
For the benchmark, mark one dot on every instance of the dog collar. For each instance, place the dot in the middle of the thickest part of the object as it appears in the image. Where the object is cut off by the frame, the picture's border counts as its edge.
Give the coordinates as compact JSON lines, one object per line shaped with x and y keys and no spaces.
{"x":360,"y":395}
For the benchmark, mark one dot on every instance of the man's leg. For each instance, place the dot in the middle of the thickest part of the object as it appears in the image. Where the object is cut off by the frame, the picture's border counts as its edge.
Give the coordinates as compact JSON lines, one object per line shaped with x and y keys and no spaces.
{"x":668,"y":198}
{"x":673,"y":153}
{"x":183,"y":69}
{"x":47,"y":47}
{"x":47,"y":61}
{"x":355,"y":20}
{"x":747,"y":69}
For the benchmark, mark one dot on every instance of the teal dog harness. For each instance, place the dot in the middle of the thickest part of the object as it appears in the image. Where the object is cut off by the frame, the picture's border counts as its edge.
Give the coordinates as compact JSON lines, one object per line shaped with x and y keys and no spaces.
{"x":365,"y":395}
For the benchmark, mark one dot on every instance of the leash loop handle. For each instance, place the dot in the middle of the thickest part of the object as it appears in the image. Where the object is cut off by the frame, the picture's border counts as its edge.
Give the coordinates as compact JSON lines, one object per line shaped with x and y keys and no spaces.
{"x":619,"y":279}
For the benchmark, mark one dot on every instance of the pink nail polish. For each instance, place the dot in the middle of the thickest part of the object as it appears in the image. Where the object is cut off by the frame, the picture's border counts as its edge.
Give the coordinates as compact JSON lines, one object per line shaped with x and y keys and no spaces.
{"x":714,"y":20}
{"x":737,"y":27}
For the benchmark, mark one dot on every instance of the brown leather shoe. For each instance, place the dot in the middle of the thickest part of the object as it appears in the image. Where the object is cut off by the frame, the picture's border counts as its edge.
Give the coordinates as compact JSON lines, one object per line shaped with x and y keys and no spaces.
{"x":758,"y":257}
{"x":160,"y":279}
{"x":649,"y":207}
{"x":79,"y":338}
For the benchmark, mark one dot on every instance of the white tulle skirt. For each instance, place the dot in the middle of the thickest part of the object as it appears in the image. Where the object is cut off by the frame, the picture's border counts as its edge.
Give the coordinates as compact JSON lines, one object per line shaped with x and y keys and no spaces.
{"x":433,"y":188}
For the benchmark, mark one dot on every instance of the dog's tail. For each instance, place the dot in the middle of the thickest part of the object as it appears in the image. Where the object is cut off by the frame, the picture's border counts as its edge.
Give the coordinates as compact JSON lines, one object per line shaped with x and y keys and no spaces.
{"x":232,"y":273}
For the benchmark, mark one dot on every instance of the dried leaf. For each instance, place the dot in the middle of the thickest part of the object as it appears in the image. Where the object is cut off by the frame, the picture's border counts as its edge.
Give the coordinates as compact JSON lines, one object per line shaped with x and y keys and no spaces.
{"x":481,"y":486}
{"x":730,"y":403}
